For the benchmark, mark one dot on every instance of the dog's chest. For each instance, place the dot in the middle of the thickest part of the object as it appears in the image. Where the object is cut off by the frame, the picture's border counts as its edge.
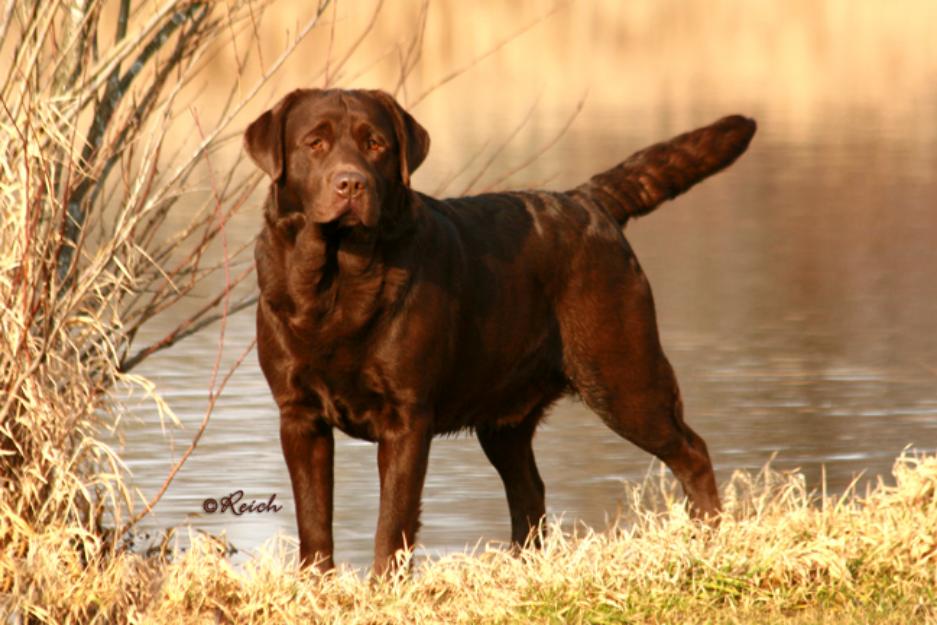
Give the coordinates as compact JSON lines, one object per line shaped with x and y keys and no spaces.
{"x":325,"y":364}
{"x":336,"y":339}
{"x":321,"y":299}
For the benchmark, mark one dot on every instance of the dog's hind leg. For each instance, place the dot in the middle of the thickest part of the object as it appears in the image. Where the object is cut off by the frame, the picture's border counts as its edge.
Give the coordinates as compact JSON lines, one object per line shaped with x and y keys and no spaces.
{"x":510,"y":450}
{"x":613,"y":357}
{"x":652,"y":418}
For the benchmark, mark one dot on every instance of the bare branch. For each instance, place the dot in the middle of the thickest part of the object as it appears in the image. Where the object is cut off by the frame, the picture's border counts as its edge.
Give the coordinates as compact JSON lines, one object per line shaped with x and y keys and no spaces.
{"x":213,"y":399}
{"x":333,"y":76}
{"x":458,"y":72}
{"x":500,"y":149}
{"x":5,"y":23}
{"x":542,"y":150}
{"x":465,"y":167}
{"x":184,"y":168}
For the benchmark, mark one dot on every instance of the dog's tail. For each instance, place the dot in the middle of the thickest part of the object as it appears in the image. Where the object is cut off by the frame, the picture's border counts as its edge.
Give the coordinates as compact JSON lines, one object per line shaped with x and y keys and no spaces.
{"x":665,"y":170}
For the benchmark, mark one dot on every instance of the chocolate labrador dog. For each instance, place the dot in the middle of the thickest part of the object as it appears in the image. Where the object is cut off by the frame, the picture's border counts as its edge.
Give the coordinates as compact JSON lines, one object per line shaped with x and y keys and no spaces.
{"x":394,"y":316}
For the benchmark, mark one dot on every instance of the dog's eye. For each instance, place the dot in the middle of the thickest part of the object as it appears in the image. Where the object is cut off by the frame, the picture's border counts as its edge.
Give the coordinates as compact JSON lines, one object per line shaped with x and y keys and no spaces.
{"x":373,"y":145}
{"x":315,"y":143}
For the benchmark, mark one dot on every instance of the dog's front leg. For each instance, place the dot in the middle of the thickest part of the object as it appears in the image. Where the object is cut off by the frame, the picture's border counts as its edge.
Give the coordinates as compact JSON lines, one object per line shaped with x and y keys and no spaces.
{"x":308,"y":446}
{"x":402,"y":455}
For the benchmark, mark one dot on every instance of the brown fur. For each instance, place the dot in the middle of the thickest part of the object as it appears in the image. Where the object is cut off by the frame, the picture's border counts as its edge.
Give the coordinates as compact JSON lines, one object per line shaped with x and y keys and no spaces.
{"x":396,"y":317}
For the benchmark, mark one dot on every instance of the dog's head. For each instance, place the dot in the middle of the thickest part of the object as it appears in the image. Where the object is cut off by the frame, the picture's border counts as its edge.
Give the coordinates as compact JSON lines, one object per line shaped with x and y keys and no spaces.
{"x":339,"y":155}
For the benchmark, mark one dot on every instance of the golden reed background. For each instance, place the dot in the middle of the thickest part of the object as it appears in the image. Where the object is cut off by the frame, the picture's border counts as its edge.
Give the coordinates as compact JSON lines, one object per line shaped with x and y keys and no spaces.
{"x":800,"y":61}
{"x":793,"y":64}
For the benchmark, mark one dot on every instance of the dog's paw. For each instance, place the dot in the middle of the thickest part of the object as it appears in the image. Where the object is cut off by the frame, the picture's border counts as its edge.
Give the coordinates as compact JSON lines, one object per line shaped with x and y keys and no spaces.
{"x":290,"y":225}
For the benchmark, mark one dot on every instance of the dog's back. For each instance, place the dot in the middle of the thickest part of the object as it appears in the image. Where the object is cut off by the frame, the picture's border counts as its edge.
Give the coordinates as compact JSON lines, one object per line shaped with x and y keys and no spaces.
{"x":506,"y":259}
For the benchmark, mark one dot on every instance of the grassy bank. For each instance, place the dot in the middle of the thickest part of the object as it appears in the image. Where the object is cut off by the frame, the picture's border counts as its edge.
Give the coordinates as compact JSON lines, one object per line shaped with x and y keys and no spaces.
{"x":780,"y":555}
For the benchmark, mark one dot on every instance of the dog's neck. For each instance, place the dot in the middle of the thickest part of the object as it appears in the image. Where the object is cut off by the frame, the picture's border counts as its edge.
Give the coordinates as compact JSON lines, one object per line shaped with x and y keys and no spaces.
{"x":318,"y":254}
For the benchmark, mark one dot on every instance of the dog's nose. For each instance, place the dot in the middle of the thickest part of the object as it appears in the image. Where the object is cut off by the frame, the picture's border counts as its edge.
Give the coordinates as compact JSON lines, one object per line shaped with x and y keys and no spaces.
{"x":349,"y":184}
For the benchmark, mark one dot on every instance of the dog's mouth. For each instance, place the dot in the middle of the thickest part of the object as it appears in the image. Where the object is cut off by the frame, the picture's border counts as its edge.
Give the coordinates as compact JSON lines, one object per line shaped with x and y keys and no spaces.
{"x":349,"y":218}
{"x":348,"y":227}
{"x":345,"y":214}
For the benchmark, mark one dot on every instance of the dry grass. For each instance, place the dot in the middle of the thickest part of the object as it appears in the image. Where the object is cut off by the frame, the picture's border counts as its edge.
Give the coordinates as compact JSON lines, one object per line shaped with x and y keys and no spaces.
{"x":780,"y":555}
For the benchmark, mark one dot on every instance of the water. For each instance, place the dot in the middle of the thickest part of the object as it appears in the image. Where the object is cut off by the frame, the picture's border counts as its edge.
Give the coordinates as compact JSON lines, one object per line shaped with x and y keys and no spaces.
{"x":796,"y":296}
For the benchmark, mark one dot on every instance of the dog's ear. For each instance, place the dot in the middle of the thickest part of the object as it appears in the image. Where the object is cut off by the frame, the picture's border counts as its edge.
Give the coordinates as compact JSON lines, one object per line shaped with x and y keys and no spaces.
{"x":263,"y":139}
{"x":411,"y":136}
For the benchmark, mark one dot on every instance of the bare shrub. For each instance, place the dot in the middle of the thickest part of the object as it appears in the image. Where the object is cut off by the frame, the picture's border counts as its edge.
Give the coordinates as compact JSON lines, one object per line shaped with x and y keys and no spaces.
{"x":90,"y":92}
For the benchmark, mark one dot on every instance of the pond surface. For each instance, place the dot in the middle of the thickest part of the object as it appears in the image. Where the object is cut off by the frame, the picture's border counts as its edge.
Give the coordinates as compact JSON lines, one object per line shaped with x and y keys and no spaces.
{"x":797,"y":300}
